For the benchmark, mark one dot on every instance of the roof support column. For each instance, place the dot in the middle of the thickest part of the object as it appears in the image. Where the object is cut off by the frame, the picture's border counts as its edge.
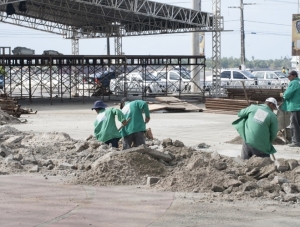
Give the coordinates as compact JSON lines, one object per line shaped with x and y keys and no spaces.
{"x":216,"y":49}
{"x":195,"y":70}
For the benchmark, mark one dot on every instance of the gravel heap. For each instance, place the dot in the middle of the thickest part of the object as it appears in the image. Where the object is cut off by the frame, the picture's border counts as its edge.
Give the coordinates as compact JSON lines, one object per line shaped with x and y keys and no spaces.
{"x":8,"y":119}
{"x":239,"y":140}
{"x":177,"y":167}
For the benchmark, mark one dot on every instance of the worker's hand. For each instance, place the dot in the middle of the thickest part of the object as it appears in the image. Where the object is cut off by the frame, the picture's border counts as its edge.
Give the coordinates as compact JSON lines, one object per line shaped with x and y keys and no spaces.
{"x":147,"y":120}
{"x":124,"y":123}
{"x":281,"y":94}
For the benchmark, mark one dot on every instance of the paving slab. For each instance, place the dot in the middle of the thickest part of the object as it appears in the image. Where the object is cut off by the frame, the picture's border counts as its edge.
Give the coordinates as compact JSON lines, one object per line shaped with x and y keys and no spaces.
{"x":27,"y":200}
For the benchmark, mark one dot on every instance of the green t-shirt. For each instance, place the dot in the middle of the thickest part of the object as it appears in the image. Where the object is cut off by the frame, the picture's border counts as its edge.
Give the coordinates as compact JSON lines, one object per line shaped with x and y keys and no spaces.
{"x":105,"y":125}
{"x":292,"y":96}
{"x":258,"y":126}
{"x":134,"y":110}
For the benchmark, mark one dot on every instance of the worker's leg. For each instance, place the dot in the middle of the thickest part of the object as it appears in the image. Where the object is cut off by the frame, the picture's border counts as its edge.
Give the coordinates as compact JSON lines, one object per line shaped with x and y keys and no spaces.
{"x":139,"y":138}
{"x":114,"y":142}
{"x":127,"y":141}
{"x":245,"y":151}
{"x":248,"y":152}
{"x":295,"y":127}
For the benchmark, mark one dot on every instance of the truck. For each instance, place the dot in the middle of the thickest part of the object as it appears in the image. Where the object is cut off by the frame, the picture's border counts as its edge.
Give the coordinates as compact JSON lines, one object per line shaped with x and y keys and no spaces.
{"x":51,"y":52}
{"x":23,"y":51}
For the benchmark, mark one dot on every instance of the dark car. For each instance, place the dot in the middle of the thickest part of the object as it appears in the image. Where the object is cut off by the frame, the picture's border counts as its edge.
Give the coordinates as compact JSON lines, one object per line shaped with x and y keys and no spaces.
{"x":1,"y":81}
{"x":101,"y":81}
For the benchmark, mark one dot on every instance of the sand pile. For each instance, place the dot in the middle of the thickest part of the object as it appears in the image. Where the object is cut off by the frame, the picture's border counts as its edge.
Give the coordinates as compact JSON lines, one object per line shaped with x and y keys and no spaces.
{"x":178,"y":167}
{"x":257,"y":177}
{"x":8,"y":119}
{"x":239,"y":140}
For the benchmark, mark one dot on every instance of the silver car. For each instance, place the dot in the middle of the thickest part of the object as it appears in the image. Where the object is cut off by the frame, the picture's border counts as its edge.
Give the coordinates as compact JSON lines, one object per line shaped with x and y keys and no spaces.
{"x":271,"y":78}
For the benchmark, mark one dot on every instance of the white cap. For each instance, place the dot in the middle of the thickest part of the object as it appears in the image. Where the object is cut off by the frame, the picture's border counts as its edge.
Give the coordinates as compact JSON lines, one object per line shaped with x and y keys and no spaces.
{"x":272,"y":100}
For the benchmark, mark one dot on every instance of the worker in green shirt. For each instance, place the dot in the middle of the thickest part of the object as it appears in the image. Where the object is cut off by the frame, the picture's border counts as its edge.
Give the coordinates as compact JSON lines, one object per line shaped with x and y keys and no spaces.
{"x":105,"y":128}
{"x":258,"y":126}
{"x":133,"y":132}
{"x":291,"y":104}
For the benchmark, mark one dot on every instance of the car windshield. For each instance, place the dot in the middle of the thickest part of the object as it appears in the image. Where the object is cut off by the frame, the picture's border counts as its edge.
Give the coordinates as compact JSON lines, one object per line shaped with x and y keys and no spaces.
{"x":149,"y":77}
{"x":185,"y":75}
{"x":280,"y":74}
{"x":248,"y":74}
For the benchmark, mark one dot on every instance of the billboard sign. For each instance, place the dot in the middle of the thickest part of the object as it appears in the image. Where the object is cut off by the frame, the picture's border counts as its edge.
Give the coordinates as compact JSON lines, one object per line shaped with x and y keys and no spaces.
{"x":296,"y":35}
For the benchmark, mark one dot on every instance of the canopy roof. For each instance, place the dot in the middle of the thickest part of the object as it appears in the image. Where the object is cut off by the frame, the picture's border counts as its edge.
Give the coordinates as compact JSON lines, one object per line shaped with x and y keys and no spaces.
{"x":106,"y":18}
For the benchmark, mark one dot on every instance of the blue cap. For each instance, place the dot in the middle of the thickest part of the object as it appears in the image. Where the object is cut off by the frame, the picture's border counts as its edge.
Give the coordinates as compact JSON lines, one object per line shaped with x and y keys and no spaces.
{"x":99,"y":105}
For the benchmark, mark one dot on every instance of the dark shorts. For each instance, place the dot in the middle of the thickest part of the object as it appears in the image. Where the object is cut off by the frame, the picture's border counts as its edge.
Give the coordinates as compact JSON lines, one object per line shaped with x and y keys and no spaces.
{"x":295,"y":127}
{"x":248,"y":152}
{"x":114,"y":142}
{"x":135,"y":139}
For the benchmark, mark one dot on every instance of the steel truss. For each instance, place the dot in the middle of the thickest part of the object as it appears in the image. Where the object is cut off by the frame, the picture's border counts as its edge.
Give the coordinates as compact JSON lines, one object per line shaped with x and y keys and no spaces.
{"x":216,"y":49}
{"x":106,"y":18}
{"x":63,"y":76}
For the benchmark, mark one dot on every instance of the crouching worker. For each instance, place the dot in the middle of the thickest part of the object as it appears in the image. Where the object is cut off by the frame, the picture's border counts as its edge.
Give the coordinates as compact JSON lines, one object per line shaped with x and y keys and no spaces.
{"x":258,"y":126}
{"x":133,"y":132}
{"x":105,"y":128}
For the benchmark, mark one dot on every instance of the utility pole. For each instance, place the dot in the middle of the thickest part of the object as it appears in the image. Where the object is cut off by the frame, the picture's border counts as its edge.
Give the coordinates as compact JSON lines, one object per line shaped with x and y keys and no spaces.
{"x":241,"y":7}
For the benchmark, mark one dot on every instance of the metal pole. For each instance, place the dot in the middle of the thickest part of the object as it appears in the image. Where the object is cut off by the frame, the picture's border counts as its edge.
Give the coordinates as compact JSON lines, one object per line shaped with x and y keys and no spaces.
{"x":242,"y":37}
{"x":108,"y":46}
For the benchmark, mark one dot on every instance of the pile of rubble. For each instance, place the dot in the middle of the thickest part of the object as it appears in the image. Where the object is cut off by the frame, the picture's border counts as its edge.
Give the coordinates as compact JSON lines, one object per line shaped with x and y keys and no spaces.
{"x":168,"y":165}
{"x":5,"y":118}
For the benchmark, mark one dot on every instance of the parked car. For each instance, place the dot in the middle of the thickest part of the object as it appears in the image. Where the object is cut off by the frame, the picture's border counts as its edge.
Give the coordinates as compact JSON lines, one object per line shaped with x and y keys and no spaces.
{"x":135,"y":83}
{"x":174,"y":80}
{"x":234,"y":77}
{"x":271,"y":78}
{"x":1,"y":81}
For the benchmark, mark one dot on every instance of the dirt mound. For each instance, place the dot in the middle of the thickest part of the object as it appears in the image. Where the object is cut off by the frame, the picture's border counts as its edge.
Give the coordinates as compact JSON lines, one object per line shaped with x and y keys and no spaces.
{"x":239,"y":140}
{"x":257,"y":177}
{"x":179,"y":168}
{"x":8,"y":119}
{"x":126,"y":169}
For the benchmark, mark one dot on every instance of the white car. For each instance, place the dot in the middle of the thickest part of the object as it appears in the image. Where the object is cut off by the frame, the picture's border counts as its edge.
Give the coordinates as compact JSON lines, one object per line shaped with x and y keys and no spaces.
{"x":234,"y":78}
{"x":271,"y":78}
{"x":135,"y":83}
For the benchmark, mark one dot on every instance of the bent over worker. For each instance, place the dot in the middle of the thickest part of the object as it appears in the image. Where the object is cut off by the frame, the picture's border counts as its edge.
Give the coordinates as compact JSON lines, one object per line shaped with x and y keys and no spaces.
{"x":133,"y":132}
{"x":292,"y":104}
{"x":105,"y":128}
{"x":258,"y":126}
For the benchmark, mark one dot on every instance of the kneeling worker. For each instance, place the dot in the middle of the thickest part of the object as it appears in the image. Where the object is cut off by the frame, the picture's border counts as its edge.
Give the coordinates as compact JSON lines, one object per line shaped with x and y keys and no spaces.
{"x":105,"y":128}
{"x":258,"y":126}
{"x":133,"y":132}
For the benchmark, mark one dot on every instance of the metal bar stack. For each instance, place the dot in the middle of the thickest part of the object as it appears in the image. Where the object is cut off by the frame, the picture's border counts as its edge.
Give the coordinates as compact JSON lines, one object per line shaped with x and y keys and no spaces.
{"x":230,"y":106}
{"x":258,"y":94}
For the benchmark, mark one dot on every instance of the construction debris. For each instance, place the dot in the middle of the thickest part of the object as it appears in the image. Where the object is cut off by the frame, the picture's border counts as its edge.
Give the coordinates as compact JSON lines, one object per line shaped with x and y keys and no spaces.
{"x":10,"y":106}
{"x":165,"y":165}
{"x":172,"y":104}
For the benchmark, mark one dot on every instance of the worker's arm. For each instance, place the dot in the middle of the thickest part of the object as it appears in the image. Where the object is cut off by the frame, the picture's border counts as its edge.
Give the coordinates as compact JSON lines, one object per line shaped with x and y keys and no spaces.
{"x":144,"y":106}
{"x":290,"y":90}
{"x":243,"y":113}
{"x":273,"y":129}
{"x":120,"y":115}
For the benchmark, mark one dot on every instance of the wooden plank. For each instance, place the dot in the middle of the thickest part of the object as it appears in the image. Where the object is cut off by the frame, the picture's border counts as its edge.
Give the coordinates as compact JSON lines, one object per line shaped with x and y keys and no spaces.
{"x":154,"y":107}
{"x":168,"y":99}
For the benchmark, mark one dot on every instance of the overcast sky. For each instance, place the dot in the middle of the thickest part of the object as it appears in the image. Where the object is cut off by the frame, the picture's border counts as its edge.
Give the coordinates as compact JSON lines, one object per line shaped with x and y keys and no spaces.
{"x":267,"y":27}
